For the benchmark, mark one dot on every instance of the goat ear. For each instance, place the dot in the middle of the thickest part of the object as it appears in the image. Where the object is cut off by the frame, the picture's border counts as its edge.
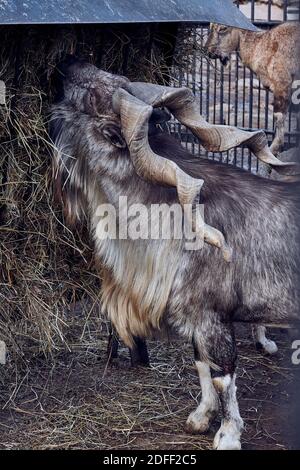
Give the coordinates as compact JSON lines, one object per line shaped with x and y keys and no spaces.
{"x":113,"y":134}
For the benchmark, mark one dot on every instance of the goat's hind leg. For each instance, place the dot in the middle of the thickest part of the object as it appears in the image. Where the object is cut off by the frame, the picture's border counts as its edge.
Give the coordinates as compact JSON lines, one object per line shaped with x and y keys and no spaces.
{"x":113,"y":345}
{"x":262,"y":342}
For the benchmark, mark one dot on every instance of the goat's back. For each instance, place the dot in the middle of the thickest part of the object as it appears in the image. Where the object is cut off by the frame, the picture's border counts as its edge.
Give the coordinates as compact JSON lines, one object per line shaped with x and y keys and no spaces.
{"x":260,"y":220}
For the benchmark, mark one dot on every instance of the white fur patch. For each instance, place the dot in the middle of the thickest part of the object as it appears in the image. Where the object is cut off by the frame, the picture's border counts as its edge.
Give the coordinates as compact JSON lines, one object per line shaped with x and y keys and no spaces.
{"x":229,"y":434}
{"x":200,"y":419}
{"x":228,"y":437}
{"x":222,"y":383}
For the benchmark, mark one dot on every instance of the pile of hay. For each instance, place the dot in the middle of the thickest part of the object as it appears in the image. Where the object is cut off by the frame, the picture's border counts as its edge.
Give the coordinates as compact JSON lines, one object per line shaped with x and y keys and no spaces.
{"x":45,"y":268}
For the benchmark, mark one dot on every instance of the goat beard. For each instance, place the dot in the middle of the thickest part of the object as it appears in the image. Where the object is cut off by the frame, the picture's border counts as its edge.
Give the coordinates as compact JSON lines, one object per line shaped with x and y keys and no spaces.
{"x":136,"y":303}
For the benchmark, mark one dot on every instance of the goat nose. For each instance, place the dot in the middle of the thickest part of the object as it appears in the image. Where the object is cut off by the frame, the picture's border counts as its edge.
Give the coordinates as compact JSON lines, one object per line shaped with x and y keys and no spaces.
{"x":60,"y":74}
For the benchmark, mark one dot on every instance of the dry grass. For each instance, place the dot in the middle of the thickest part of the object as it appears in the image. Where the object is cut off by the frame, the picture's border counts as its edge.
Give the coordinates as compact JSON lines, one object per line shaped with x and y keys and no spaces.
{"x":74,"y":401}
{"x":45,"y":267}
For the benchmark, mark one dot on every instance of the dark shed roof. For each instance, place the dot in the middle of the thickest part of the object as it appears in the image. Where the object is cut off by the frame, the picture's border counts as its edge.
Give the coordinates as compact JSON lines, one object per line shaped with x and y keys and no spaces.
{"x":121,"y":11}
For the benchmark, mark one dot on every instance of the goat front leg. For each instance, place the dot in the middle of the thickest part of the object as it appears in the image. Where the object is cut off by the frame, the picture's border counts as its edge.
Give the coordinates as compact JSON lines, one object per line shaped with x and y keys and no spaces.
{"x":200,"y":420}
{"x":278,"y":142}
{"x":138,"y":353}
{"x":282,"y":99}
{"x":229,"y":434}
{"x":216,"y":346}
{"x":262,"y":342}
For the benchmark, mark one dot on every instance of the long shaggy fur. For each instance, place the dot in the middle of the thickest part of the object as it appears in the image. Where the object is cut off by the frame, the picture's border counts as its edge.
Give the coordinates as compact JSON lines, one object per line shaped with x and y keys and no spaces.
{"x":137,"y":277}
{"x":149,"y":284}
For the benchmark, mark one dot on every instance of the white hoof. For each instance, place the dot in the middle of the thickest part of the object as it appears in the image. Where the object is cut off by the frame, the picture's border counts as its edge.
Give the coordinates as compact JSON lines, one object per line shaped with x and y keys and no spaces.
{"x":226,"y":443}
{"x":2,"y":353}
{"x":227,"y":438}
{"x":270,"y":347}
{"x":199,"y":422}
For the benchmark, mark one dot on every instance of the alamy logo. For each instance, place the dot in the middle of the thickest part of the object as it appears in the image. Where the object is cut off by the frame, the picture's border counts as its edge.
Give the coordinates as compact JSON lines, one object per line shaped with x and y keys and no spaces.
{"x":2,"y":92}
{"x":159,"y":221}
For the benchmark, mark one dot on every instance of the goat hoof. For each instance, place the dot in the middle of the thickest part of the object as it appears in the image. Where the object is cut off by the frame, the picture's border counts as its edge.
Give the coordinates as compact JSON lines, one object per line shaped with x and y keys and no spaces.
{"x":269,"y":347}
{"x":199,"y":421}
{"x":197,"y":424}
{"x":227,"y":438}
{"x":227,"y":443}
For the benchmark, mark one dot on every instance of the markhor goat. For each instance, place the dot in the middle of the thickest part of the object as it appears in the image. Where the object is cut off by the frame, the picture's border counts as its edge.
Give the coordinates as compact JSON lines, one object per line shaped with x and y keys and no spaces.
{"x":247,"y":271}
{"x":273,"y":55}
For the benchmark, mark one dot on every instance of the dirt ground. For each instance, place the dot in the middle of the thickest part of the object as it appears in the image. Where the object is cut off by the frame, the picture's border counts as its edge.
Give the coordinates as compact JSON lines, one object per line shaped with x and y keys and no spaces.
{"x":75,"y":401}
